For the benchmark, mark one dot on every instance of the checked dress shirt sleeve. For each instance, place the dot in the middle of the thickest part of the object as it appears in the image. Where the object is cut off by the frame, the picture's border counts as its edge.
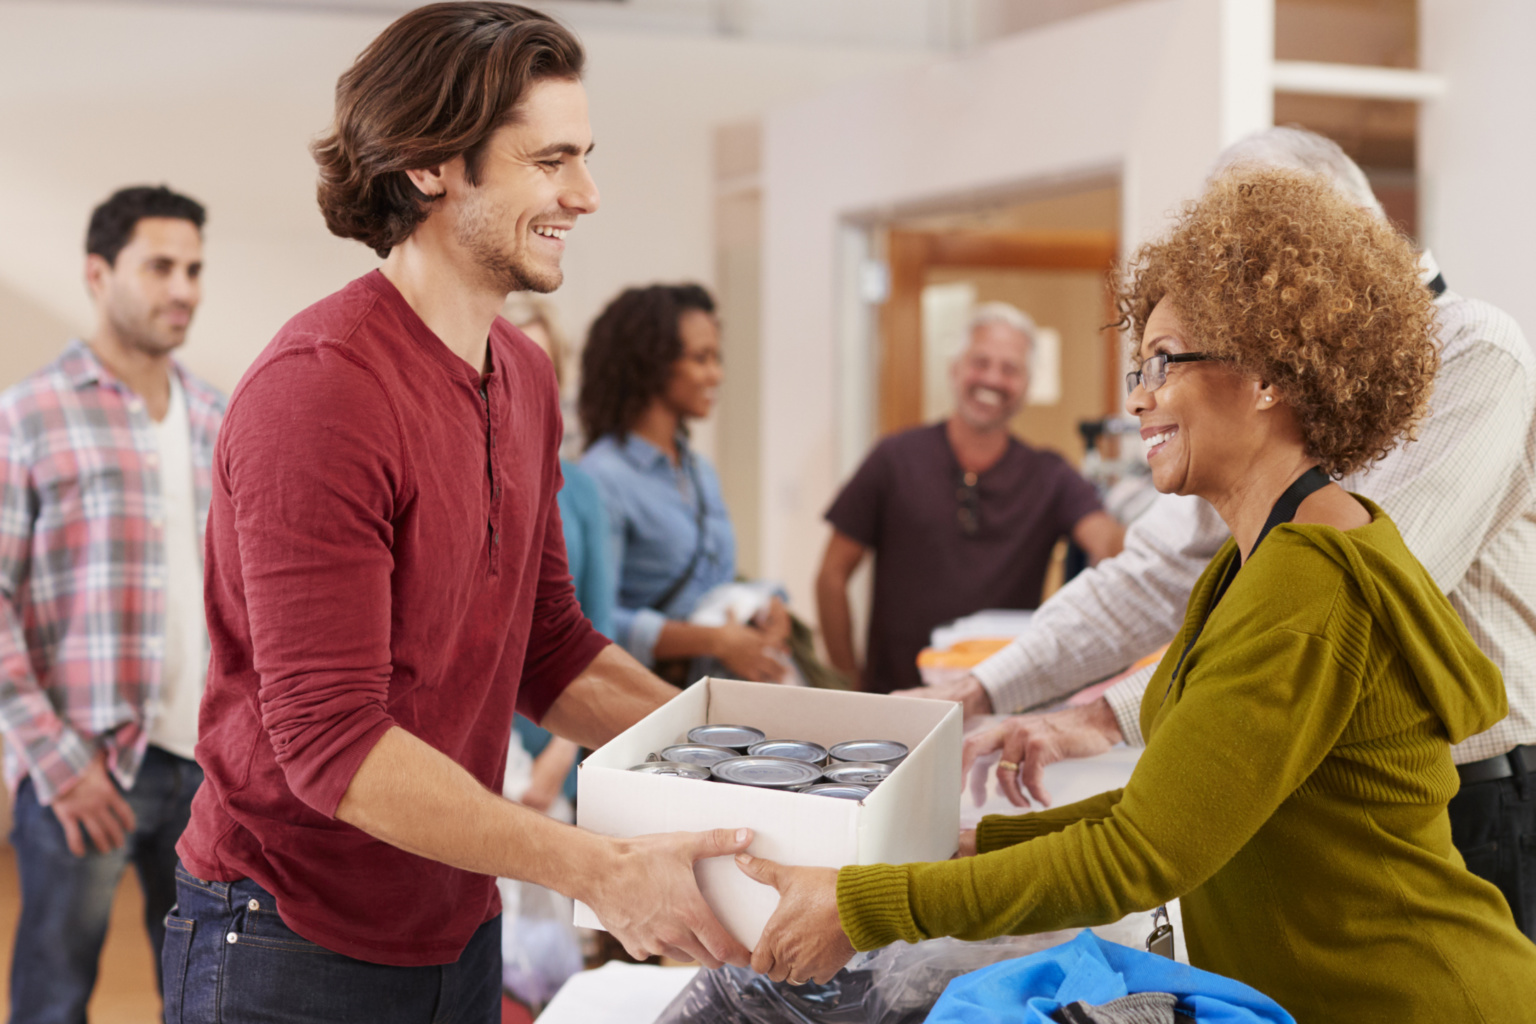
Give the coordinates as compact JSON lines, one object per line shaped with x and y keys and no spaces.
{"x":1464,"y":498}
{"x":53,"y":753}
{"x":1123,"y":609}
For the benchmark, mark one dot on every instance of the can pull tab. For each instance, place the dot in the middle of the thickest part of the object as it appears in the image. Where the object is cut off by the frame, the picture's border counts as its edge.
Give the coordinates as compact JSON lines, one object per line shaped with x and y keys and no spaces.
{"x":1161,"y":939}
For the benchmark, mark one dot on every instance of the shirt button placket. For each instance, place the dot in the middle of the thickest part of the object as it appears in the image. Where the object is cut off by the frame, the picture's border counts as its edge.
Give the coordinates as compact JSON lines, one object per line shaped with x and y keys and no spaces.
{"x":490,"y":458}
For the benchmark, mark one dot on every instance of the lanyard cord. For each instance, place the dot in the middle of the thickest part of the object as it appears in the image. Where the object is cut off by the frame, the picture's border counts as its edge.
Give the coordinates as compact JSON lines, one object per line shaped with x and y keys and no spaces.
{"x":1284,"y":511}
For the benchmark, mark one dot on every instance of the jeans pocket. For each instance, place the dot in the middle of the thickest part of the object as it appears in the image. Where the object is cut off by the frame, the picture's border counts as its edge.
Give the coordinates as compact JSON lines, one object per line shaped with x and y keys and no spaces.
{"x":173,"y":965}
{"x":1483,"y":861}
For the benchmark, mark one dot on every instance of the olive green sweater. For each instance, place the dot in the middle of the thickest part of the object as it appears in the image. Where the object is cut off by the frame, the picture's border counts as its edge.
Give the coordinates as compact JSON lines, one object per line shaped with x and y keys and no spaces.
{"x":1292,"y":794}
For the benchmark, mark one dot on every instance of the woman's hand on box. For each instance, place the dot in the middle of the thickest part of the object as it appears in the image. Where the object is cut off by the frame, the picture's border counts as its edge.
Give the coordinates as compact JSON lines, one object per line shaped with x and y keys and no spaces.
{"x":804,"y":939}
{"x":648,"y":897}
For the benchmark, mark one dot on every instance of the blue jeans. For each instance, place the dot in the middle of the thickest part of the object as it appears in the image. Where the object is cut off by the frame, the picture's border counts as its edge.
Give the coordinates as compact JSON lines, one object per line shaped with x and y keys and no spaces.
{"x":229,"y":958}
{"x":1493,"y":825}
{"x":66,"y":901}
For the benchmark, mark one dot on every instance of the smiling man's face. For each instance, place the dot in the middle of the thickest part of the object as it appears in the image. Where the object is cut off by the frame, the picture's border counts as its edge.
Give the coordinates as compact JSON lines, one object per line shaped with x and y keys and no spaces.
{"x":533,"y":183}
{"x":991,"y":376}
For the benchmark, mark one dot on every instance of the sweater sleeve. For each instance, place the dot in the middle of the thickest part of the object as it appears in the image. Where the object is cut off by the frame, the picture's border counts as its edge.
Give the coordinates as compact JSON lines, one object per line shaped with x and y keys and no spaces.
{"x":998,"y":831}
{"x":1195,"y":799}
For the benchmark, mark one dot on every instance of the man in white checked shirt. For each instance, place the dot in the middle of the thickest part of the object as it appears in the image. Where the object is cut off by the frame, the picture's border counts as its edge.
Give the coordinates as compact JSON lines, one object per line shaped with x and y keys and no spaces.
{"x":1464,"y":498}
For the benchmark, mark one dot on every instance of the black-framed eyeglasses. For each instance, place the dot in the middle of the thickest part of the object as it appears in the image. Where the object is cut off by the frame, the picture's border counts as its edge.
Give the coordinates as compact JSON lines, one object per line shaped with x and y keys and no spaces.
{"x":968,"y":504}
{"x":1154,"y":369}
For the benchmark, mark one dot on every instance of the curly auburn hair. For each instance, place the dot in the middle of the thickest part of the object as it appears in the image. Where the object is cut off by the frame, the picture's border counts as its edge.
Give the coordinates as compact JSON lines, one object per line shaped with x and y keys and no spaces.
{"x":1283,"y":277}
{"x":629,"y":355}
{"x":435,"y":85}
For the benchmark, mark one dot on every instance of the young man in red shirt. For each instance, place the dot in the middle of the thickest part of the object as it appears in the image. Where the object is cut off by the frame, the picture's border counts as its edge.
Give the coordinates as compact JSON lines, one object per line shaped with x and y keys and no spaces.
{"x":386,"y":575}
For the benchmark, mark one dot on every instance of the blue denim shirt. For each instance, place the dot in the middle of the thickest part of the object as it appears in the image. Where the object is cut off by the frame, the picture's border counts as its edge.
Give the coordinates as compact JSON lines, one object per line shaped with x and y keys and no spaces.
{"x":652,"y":515}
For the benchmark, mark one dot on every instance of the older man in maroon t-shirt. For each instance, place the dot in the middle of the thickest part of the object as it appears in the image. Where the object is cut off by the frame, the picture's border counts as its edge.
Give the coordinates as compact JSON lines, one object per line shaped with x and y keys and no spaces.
{"x":387,"y":582}
{"x":960,"y":515}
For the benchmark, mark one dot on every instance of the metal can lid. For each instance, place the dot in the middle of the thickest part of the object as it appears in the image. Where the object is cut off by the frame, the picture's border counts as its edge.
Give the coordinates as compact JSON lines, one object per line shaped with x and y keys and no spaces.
{"x":701,"y":754}
{"x":860,"y":773}
{"x":677,"y":768}
{"x":797,"y":750}
{"x":884,"y":751}
{"x":845,"y":790}
{"x":773,"y":772}
{"x":738,"y":737}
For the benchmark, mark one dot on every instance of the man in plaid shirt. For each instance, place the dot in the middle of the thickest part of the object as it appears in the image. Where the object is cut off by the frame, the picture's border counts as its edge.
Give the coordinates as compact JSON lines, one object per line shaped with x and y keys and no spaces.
{"x":105,"y":462}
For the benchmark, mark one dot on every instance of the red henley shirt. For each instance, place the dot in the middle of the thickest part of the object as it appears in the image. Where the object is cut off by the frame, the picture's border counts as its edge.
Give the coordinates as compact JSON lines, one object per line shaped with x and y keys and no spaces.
{"x":383,"y":549}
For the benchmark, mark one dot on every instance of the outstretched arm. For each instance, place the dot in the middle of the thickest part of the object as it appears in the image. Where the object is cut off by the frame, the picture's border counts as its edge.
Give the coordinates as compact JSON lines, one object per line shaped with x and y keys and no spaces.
{"x":838,"y":563}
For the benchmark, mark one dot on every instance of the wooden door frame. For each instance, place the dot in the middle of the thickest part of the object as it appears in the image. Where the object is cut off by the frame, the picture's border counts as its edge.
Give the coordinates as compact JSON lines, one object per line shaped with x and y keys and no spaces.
{"x":912,"y":254}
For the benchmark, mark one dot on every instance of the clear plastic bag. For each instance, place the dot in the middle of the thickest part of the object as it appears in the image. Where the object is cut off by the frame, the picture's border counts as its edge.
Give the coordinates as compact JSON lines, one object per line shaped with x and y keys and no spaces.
{"x":540,"y":948}
{"x":895,"y":985}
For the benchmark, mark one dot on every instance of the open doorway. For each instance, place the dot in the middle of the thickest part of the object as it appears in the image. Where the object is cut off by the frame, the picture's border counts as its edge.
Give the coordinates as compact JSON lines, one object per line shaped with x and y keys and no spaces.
{"x":1051,"y":258}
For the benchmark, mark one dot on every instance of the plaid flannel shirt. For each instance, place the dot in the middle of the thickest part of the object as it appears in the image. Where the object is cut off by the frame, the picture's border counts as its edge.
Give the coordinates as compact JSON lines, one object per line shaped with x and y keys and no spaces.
{"x":82,"y":566}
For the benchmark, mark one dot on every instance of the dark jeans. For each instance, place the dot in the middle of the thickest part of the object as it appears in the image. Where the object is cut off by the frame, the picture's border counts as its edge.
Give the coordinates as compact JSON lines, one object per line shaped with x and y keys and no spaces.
{"x":66,"y":901}
{"x":229,"y":958}
{"x":1493,"y":824}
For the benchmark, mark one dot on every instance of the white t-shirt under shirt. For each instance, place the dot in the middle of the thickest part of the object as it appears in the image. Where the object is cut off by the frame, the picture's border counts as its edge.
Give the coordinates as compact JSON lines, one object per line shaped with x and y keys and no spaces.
{"x":173,"y":724}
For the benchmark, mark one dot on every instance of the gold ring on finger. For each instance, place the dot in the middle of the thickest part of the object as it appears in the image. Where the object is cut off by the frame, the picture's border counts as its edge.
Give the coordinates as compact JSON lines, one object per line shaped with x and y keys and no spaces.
{"x":1008,"y":766}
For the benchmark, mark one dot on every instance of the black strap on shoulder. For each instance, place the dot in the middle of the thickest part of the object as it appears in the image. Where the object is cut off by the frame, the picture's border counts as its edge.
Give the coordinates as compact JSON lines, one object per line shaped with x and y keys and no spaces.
{"x":1437,"y":285}
{"x":1284,"y":511}
{"x":676,"y":586}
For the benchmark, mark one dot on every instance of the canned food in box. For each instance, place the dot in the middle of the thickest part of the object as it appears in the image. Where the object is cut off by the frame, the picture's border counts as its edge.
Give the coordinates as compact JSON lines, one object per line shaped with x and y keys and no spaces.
{"x":883,"y":751}
{"x":859,"y":773}
{"x":769,"y":772}
{"x":737,"y":737}
{"x":701,"y":754}
{"x":677,"y":768}
{"x":795,"y":750}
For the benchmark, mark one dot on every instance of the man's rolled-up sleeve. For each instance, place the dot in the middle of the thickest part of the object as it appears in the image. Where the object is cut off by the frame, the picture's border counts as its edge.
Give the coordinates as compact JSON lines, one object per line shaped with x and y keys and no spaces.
{"x":316,"y":470}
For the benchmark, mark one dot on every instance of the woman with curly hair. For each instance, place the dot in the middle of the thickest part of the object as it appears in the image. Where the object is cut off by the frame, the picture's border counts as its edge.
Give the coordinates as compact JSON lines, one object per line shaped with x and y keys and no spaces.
{"x":651,"y":364}
{"x":1294,"y":785}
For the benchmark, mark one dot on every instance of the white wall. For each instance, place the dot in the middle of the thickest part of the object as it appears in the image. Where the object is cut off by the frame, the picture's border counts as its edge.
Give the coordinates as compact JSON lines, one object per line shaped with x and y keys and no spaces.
{"x":1148,"y":92}
{"x":1477,"y":150}
{"x":221,"y":103}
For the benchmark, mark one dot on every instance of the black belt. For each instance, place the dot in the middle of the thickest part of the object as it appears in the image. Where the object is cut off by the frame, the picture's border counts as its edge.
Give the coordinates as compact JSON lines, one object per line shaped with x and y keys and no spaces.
{"x":1520,"y":761}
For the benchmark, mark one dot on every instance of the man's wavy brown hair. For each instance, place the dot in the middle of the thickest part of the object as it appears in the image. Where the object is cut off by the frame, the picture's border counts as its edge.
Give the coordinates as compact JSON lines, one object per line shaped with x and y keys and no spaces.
{"x":1282,"y":276}
{"x":435,"y":85}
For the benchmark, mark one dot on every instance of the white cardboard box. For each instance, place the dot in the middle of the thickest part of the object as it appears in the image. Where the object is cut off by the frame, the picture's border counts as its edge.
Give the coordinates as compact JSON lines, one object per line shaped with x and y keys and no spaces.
{"x":914,"y":815}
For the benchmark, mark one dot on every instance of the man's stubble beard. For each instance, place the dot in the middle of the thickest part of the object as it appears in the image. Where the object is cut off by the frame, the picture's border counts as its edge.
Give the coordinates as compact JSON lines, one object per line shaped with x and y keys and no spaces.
{"x":136,"y":332}
{"x":476,"y":232}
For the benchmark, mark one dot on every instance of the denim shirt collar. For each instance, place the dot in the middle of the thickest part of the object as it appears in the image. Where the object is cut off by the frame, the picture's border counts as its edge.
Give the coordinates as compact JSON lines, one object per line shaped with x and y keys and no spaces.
{"x":648,"y":458}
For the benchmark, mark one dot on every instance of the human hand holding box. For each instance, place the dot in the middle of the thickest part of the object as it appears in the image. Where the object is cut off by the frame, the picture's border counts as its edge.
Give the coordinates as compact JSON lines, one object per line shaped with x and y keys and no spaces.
{"x":913,"y":816}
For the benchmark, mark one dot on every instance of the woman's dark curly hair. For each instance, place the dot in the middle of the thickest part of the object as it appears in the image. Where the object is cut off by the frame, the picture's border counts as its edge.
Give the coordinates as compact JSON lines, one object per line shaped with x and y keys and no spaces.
{"x":1278,"y":273}
{"x":629,"y":355}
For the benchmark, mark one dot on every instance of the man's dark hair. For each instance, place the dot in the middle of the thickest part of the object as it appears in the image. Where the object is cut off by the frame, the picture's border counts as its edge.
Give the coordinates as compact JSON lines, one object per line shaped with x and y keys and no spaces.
{"x":629,"y":355}
{"x":112,"y":222}
{"x":433,"y":86}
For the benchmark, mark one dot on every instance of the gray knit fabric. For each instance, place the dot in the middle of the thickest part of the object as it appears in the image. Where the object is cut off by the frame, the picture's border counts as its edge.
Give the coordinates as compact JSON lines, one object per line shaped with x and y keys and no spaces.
{"x":1137,"y":1008}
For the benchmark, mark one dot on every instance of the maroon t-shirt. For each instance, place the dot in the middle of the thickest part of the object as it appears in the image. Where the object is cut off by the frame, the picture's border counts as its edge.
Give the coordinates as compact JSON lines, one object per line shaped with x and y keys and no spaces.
{"x":903,"y":504}
{"x":383,"y":549}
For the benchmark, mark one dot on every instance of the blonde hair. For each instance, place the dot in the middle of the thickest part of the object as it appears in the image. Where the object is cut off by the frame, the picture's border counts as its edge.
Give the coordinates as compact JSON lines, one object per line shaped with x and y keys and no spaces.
{"x":524,"y":309}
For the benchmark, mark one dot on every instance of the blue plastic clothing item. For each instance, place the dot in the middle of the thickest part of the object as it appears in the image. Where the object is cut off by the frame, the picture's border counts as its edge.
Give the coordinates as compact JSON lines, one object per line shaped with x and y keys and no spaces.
{"x":1029,"y":989}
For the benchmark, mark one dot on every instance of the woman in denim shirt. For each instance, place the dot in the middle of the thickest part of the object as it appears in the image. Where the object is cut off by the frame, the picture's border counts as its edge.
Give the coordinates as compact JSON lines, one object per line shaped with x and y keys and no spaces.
{"x":652,"y":364}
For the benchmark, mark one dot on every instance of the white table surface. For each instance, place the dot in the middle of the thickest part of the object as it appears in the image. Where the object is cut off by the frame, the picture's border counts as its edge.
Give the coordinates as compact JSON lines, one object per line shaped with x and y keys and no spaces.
{"x":620,"y":993}
{"x":617,"y":993}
